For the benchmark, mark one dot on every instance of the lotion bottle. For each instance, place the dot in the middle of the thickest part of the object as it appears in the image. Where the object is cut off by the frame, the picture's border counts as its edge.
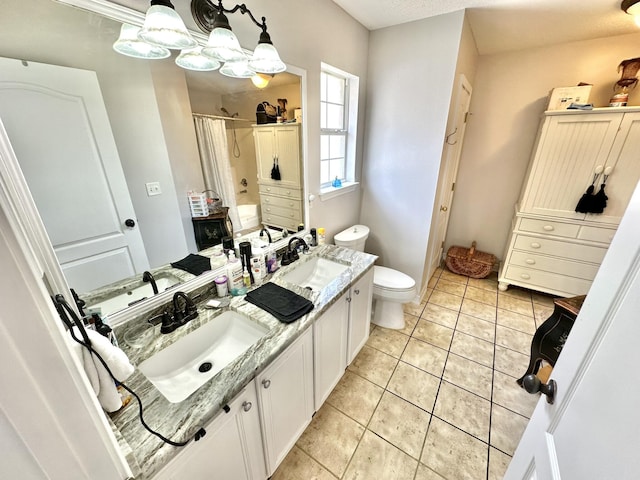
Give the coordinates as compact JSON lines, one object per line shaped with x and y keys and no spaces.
{"x":234,"y":274}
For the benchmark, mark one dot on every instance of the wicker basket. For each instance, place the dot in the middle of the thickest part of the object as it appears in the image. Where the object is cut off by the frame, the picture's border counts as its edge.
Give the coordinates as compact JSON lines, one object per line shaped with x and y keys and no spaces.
{"x":469,"y":261}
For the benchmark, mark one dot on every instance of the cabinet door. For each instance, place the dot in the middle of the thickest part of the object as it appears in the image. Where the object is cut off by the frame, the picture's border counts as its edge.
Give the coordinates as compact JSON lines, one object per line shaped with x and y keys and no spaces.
{"x":569,"y":150}
{"x":287,"y":144}
{"x":285,"y":392}
{"x":359,"y":315}
{"x":265,"y":152}
{"x":625,"y":173}
{"x":330,"y":348}
{"x":231,"y":450}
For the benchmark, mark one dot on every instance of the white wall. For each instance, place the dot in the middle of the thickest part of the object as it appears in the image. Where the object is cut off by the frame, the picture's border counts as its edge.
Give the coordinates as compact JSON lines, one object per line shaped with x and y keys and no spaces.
{"x":411,"y":73}
{"x":509,"y":96}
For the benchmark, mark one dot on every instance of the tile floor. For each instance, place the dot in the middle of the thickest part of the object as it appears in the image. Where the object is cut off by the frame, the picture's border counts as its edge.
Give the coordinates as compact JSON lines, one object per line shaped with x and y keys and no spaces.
{"x":437,"y":400}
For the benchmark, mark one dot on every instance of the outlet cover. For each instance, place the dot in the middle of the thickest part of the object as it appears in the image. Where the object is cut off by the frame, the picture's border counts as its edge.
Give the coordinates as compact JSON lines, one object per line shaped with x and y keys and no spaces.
{"x":153,"y":188}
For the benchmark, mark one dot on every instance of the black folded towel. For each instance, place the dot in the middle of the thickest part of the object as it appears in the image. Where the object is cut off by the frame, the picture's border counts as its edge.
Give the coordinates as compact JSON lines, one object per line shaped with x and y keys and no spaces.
{"x":194,"y":264}
{"x":283,"y":304}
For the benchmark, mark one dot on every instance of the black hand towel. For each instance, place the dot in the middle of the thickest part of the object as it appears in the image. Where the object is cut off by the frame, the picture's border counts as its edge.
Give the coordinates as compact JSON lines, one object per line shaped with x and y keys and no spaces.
{"x":283,"y":304}
{"x":194,"y":264}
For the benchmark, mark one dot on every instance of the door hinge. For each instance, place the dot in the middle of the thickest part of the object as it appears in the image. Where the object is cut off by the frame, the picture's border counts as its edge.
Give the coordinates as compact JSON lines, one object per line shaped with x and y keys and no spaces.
{"x":453,"y":186}
{"x":442,"y":244}
{"x":466,"y":115}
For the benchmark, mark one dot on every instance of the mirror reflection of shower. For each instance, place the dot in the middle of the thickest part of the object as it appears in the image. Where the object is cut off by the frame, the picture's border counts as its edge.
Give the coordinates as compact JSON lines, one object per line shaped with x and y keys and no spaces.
{"x":235,"y":149}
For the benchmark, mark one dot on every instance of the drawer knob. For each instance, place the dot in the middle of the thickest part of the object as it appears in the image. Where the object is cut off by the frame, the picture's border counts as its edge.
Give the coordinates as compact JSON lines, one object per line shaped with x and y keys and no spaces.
{"x":526,"y":276}
{"x":530,"y":261}
{"x":548,"y":228}
{"x":535,"y":245}
{"x":246,"y":406}
{"x":266,"y":383}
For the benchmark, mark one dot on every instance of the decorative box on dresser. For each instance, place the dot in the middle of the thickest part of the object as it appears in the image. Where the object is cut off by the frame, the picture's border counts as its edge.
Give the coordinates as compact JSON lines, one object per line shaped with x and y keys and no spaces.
{"x":552,"y":248}
{"x":278,"y":144}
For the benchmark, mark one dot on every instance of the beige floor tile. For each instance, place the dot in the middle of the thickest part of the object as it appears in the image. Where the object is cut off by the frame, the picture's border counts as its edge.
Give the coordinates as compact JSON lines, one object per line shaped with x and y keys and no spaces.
{"x":446,"y":300}
{"x":472,"y":348}
{"x":409,"y":324}
{"x":508,"y":394}
{"x":517,"y":292}
{"x":388,"y":341}
{"x":469,"y":375}
{"x":506,"y":429}
{"x":414,"y":309}
{"x":523,"y":307}
{"x":454,"y":288}
{"x":482,"y":295}
{"x":540,"y":298}
{"x":476,"y":327}
{"x":454,"y":277}
{"x":377,"y":459}
{"x":356,"y":397}
{"x":415,"y":386}
{"x":400,"y":423}
{"x":425,"y":473}
{"x":433,"y":333}
{"x":541,"y":313}
{"x":440,"y":315}
{"x":498,"y":464}
{"x":523,"y":323}
{"x":510,"y":362}
{"x":489,"y":283}
{"x":465,"y":410}
{"x":298,"y":464}
{"x":432,"y":282}
{"x":479,"y":310}
{"x":454,"y":454}
{"x":425,"y":356}
{"x":331,"y":439}
{"x":513,"y":339}
{"x":374,"y":365}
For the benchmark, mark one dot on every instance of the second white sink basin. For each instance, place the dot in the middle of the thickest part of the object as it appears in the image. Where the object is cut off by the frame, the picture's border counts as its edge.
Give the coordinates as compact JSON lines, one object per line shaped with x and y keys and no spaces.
{"x":315,"y":274}
{"x":184,"y":366}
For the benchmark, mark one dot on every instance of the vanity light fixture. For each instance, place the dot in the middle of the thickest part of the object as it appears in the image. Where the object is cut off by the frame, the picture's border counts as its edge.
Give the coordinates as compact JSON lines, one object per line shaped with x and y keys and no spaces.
{"x":237,"y":69}
{"x":129,"y":44}
{"x":164,"y":27}
{"x":193,"y":59}
{"x":261,"y":80}
{"x":632,"y":7}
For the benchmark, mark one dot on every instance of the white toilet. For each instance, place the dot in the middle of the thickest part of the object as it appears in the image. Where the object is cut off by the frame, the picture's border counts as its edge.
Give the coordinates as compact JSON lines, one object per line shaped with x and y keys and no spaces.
{"x":390,"y":288}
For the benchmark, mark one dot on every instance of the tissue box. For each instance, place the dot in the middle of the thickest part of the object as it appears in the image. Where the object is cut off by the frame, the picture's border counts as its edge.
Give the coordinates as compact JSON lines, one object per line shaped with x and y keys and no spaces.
{"x":560,"y":98}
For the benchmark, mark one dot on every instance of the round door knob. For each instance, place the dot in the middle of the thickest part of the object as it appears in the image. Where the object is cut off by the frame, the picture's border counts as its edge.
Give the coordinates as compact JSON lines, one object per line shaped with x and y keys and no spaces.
{"x":532,"y":384}
{"x":246,"y":406}
{"x":266,"y":383}
{"x":443,"y":208}
{"x":129,"y":222}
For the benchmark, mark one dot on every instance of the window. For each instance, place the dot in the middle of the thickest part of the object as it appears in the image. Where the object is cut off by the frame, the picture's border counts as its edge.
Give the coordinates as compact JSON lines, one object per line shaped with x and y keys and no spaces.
{"x":338,"y":116}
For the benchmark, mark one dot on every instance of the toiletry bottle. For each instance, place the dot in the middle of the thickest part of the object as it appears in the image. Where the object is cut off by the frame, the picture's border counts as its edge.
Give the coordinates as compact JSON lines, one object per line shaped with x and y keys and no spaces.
{"x":321,"y":236}
{"x":272,"y":261}
{"x":246,"y":278}
{"x":314,"y":237}
{"x":234,"y":274}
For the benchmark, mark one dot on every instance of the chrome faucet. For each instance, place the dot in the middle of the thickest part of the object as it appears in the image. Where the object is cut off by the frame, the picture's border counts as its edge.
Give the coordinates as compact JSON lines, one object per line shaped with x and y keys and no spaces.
{"x":147,"y":277}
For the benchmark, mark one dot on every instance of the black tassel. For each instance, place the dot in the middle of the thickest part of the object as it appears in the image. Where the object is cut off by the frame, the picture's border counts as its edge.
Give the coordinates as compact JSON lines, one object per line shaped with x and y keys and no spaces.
{"x":276,"y":175}
{"x":585,"y":204}
{"x":599,"y":201}
{"x":274,"y":172}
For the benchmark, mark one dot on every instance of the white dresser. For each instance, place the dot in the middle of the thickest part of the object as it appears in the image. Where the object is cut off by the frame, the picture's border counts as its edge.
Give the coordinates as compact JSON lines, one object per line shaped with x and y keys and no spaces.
{"x":280,"y":200}
{"x":552,"y":248}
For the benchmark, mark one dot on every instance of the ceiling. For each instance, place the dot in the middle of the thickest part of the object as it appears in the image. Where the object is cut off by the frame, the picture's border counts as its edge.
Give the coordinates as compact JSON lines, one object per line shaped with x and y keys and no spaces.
{"x":505,"y":25}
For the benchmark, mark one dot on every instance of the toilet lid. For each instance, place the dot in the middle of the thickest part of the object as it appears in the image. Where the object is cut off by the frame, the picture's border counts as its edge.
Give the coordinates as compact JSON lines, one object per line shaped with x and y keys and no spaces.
{"x":389,"y":278}
{"x":356,"y":232}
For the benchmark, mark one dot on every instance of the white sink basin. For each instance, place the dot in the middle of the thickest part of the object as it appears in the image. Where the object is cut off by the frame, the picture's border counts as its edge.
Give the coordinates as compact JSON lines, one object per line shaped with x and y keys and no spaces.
{"x":184,"y":366}
{"x":315,"y":274}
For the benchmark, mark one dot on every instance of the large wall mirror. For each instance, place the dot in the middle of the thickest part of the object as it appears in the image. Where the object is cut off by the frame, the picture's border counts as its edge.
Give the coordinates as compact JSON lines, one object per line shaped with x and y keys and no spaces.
{"x":149,"y":109}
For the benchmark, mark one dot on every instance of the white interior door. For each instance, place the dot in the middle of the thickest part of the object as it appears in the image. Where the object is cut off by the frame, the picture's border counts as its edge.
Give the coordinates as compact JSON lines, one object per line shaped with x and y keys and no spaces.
{"x":59,"y":129}
{"x":452,"y":151}
{"x":591,"y":431}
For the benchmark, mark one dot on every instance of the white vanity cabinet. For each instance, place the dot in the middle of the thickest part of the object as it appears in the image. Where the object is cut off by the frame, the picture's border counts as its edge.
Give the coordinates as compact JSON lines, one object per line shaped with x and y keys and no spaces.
{"x":339,"y":334}
{"x":280,"y":200}
{"x":285,"y":395}
{"x":552,"y":248}
{"x":231,"y":449}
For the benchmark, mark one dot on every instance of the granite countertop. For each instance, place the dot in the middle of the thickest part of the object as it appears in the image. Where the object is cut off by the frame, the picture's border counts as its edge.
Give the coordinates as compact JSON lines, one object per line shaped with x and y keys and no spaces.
{"x":146,"y":453}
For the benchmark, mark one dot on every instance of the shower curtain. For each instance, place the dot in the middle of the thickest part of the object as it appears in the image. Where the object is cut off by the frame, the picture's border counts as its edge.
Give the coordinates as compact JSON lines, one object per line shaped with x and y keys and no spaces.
{"x":214,"y":158}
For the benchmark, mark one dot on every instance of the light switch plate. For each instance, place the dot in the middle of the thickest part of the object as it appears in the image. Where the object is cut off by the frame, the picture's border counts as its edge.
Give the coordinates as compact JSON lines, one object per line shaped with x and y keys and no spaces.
{"x":153,"y":188}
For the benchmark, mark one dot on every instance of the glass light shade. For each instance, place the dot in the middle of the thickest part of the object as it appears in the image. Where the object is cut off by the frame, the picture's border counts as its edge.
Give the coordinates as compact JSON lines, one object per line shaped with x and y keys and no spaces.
{"x":129,"y":44}
{"x":223,"y":46}
{"x":266,"y":59}
{"x":238,"y":69}
{"x":164,"y":27}
{"x":194,"y":60}
{"x":261,"y":80}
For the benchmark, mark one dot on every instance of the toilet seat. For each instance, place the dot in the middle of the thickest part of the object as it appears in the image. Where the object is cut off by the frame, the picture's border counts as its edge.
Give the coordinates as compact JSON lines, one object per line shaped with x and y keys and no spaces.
{"x":389,"y":279}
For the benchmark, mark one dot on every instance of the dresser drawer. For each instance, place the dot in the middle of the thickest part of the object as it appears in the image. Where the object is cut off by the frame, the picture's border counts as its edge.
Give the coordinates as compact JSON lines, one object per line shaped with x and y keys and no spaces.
{"x":546,"y":281}
{"x":271,"y":201}
{"x":558,"y":229}
{"x":559,"y":248}
{"x":528,"y":260}
{"x":281,"y":191}
{"x":283,"y":222}
{"x":290,"y":213}
{"x":596,"y":234}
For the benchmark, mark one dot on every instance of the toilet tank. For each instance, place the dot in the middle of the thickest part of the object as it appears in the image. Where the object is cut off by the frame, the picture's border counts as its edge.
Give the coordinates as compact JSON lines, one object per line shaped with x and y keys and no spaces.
{"x":353,"y":237}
